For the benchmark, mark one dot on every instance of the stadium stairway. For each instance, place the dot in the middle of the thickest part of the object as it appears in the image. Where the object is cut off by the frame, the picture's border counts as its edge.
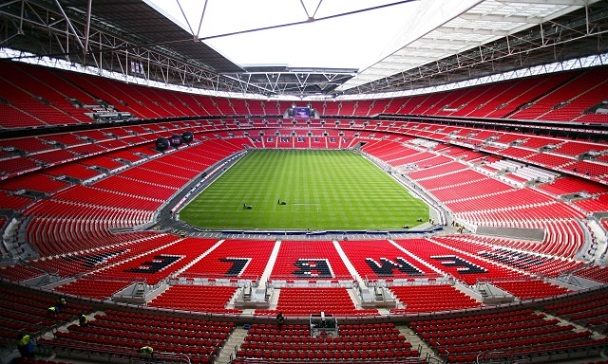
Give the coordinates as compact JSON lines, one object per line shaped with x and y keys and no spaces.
{"x":416,"y":258}
{"x":199,"y":258}
{"x":353,"y":297}
{"x":271,"y":261}
{"x":348,"y":264}
{"x":274,"y":299}
{"x":425,"y":351}
{"x":231,"y":346}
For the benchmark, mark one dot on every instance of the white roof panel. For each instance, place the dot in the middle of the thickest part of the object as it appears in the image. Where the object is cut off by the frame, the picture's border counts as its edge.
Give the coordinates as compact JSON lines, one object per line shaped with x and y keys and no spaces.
{"x":378,"y":38}
{"x":481,"y":24}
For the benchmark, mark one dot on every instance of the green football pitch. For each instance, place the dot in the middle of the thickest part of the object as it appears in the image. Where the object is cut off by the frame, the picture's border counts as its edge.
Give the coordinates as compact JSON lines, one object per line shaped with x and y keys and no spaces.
{"x":321,"y":189}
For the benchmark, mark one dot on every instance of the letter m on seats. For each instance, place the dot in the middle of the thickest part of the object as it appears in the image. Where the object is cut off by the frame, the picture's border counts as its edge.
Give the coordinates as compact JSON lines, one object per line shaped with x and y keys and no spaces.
{"x":387,"y":267}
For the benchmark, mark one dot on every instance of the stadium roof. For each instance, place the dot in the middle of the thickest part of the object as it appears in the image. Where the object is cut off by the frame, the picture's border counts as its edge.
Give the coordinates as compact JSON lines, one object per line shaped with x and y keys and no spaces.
{"x":374,"y":39}
{"x":314,"y":34}
{"x":303,"y":48}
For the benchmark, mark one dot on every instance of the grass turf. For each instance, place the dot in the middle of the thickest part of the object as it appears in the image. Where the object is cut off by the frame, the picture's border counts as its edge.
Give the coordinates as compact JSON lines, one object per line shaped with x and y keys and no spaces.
{"x":322,"y":189}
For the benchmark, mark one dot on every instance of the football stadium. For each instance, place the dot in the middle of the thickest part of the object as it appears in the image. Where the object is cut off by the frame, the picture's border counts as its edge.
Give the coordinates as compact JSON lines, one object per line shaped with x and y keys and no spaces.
{"x":304,"y":181}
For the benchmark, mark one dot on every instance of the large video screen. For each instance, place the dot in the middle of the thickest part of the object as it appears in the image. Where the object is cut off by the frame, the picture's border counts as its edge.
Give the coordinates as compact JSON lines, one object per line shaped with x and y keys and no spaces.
{"x":301,"y":112}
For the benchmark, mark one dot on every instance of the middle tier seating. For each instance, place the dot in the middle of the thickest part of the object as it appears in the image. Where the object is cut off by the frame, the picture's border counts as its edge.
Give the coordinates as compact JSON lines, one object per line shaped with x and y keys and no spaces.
{"x":307,"y":301}
{"x":196,"y":298}
{"x":530,"y":288}
{"x":431,"y":298}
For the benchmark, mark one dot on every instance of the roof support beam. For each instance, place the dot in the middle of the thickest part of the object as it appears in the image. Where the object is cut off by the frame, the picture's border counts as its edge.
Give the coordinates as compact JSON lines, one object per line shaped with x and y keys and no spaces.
{"x":467,"y":30}
{"x":99,"y":43}
{"x":547,"y":2}
{"x":87,"y":31}
{"x":69,"y":23}
{"x":501,"y":18}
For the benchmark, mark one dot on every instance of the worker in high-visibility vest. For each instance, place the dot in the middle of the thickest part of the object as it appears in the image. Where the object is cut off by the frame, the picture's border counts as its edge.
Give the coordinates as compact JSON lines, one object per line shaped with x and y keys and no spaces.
{"x":53,"y":311}
{"x":83,"y":320}
{"x":147,"y":351}
{"x":26,"y":346}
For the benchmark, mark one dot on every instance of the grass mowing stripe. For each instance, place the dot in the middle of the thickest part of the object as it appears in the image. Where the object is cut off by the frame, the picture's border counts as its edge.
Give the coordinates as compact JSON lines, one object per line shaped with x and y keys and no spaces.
{"x":323,"y":190}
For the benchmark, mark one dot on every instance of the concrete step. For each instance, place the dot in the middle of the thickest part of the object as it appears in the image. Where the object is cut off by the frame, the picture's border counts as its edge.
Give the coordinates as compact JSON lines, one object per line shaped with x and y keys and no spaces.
{"x":426,"y":352}
{"x":228,"y":352}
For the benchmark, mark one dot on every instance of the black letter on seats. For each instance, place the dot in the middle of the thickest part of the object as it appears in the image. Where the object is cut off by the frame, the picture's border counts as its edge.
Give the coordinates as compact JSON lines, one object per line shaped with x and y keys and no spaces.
{"x":159,"y":263}
{"x":313,"y":268}
{"x":93,"y":260}
{"x":387,"y":267}
{"x":463,"y":267}
{"x":238,"y":265}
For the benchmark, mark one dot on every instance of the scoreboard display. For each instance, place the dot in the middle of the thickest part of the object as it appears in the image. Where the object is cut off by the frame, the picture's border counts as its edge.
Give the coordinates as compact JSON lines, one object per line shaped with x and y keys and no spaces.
{"x":301,"y":113}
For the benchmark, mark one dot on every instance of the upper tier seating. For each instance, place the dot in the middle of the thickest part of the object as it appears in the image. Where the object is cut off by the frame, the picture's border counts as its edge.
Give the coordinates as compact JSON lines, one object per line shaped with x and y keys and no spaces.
{"x":70,"y":224}
{"x":31,"y":102}
{"x":357,"y":343}
{"x":26,"y":311}
{"x":587,"y":311}
{"x":515,"y":332}
{"x":125,"y":332}
{"x":561,"y":97}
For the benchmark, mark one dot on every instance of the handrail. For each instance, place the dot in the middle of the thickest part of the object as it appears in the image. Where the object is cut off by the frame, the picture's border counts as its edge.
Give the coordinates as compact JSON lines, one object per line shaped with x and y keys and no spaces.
{"x":129,"y":355}
{"x":536,"y":352}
